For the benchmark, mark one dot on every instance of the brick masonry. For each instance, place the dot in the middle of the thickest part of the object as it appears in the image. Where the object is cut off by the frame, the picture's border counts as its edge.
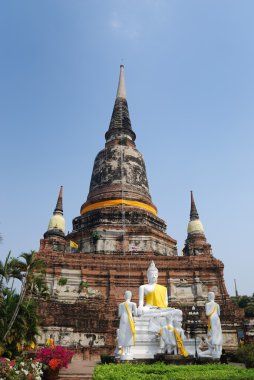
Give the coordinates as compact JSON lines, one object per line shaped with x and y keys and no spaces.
{"x":116,"y":245}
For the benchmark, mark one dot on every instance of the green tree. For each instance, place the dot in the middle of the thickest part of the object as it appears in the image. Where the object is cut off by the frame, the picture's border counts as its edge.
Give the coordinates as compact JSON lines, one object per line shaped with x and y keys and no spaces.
{"x":249,"y":310}
{"x":19,"y":312}
{"x":30,"y":267}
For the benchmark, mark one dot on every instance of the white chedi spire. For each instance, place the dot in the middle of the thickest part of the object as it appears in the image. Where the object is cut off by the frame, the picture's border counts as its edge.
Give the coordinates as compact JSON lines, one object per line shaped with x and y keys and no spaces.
{"x":57,"y":220}
{"x":195,"y":225}
{"x":121,"y":91}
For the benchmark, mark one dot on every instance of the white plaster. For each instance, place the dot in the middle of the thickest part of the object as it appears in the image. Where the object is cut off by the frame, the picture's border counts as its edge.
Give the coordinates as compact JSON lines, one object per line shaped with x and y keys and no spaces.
{"x":57,"y":221}
{"x":65,"y":336}
{"x":121,"y":91}
{"x":70,"y":292}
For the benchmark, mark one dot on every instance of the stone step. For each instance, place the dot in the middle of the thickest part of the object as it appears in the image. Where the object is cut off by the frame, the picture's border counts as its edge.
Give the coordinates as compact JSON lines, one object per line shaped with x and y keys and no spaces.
{"x":75,"y":377}
{"x":77,"y":370}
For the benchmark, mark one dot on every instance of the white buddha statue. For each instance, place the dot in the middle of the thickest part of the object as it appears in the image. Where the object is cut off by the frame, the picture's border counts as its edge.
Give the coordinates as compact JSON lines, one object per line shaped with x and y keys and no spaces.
{"x":140,"y":330}
{"x":153,"y":298}
{"x":173,"y":335}
{"x":214,"y":334}
{"x":126,"y":336}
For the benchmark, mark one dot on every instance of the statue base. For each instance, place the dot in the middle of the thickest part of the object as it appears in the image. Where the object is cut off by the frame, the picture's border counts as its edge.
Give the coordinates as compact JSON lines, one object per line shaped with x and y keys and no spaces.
{"x":126,"y":357}
{"x":149,"y":343}
{"x":174,"y":359}
{"x":213,"y":355}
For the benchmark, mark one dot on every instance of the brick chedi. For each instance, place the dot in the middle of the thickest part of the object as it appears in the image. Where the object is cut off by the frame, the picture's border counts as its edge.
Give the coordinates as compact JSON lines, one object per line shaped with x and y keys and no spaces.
{"x":119,"y":208}
{"x":54,"y":237}
{"x":117,"y":234}
{"x":196,"y":243}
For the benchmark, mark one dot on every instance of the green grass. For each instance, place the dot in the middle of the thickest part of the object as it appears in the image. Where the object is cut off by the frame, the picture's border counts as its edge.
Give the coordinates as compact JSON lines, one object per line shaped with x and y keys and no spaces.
{"x":161,"y":371}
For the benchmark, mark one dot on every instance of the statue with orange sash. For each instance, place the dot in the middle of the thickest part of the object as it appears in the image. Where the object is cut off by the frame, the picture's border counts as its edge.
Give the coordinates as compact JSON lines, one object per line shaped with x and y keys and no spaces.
{"x":127,"y":334}
{"x":173,"y":336}
{"x":214,"y":332}
{"x":139,"y":329}
{"x":153,"y":296}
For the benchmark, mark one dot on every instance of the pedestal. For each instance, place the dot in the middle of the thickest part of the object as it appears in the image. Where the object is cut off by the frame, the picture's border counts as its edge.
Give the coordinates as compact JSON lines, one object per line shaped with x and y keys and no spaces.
{"x":149,"y":343}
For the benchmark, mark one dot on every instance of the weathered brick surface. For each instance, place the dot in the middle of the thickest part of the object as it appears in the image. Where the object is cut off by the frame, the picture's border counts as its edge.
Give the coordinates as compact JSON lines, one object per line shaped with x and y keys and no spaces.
{"x":116,"y":245}
{"x":113,"y":274}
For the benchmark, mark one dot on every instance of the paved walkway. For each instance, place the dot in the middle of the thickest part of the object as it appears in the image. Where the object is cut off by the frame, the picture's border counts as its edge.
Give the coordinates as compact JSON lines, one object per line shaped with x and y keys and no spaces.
{"x":240,"y":365}
{"x":77,"y":370}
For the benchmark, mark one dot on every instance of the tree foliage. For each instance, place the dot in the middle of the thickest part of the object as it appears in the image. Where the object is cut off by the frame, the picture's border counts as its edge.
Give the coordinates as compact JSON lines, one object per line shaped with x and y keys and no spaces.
{"x":246,"y":303}
{"x":19,"y":312}
{"x":245,"y":354}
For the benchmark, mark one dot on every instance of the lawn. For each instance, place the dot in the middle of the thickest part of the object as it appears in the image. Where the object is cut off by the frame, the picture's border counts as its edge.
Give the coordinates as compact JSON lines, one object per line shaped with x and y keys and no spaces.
{"x":161,"y":371}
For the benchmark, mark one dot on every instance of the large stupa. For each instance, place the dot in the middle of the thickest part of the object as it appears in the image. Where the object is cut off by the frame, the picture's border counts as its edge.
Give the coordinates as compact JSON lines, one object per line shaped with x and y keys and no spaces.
{"x":117,"y":234}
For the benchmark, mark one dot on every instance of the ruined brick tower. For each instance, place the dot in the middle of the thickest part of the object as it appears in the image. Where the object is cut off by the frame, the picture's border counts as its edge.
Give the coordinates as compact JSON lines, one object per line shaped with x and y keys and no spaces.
{"x":119,"y":214}
{"x":116,"y":236}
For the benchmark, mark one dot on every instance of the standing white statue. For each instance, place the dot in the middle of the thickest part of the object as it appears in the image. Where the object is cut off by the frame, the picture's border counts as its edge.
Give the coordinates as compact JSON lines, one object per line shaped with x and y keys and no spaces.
{"x":214,"y":333}
{"x":173,"y":335}
{"x":127,"y":334}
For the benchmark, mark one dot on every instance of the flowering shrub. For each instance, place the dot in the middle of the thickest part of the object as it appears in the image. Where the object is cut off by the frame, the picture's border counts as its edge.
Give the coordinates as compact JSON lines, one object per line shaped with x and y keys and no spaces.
{"x":50,"y":342}
{"x":21,"y":368}
{"x":55,"y":357}
{"x":54,"y":363}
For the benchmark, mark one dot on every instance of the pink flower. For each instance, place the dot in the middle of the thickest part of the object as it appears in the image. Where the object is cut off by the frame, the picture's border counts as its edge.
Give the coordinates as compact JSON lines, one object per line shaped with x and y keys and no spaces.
{"x":46,"y":354}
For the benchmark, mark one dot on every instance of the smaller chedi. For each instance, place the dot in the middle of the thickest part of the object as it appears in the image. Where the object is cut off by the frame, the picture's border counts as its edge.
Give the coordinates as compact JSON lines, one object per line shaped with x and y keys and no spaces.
{"x":155,"y":328}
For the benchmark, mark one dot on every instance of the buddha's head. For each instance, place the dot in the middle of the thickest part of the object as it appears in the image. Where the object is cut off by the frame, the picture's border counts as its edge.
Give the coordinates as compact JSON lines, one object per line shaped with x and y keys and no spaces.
{"x":127,"y":295}
{"x":211,"y":296}
{"x":178,"y":318}
{"x":169,"y":319}
{"x":152,"y":273}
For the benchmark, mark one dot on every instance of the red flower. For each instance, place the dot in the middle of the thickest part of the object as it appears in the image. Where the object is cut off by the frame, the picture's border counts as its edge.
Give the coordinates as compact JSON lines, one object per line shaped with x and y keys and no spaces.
{"x":55,"y":363}
{"x":46,"y":354}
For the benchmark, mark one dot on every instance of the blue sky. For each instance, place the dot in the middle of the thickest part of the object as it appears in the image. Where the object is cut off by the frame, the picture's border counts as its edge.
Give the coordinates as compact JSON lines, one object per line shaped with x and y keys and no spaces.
{"x":190,"y":88}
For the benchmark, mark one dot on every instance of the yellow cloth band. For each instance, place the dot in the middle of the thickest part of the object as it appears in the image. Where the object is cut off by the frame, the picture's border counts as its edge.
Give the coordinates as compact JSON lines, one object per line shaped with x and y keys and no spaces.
{"x":116,"y":202}
{"x":157,"y":297}
{"x":209,"y":316}
{"x":179,"y":343}
{"x":132,"y":326}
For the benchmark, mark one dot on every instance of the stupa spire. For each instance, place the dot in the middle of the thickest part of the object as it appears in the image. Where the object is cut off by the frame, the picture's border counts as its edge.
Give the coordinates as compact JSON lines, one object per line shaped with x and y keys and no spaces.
{"x":194,"y":225}
{"x":196,"y":243}
{"x":120,"y":123}
{"x":59,"y":203}
{"x":121,"y":91}
{"x":193,"y":212}
{"x":119,"y":174}
{"x":57,"y":221}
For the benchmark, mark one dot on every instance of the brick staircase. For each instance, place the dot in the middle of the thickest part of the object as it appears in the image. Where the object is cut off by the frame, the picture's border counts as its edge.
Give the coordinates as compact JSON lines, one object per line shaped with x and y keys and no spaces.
{"x":78,"y":369}
{"x":74,"y":377}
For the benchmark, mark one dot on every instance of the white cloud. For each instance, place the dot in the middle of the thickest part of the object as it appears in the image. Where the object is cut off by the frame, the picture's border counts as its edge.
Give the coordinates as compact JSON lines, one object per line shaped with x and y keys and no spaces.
{"x":116,"y":24}
{"x":127,"y":28}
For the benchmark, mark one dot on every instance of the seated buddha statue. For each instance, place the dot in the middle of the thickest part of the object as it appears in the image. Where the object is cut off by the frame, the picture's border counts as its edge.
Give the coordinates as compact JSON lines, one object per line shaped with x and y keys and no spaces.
{"x":153,"y":298}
